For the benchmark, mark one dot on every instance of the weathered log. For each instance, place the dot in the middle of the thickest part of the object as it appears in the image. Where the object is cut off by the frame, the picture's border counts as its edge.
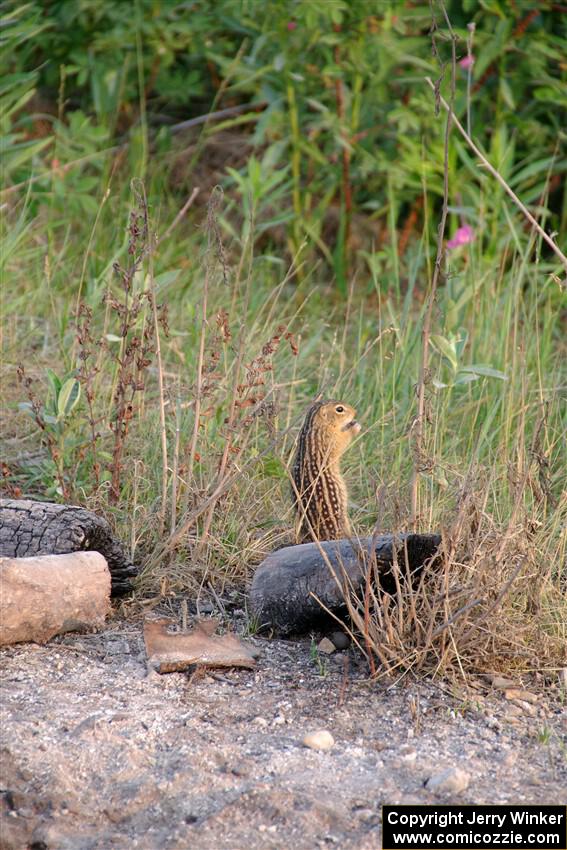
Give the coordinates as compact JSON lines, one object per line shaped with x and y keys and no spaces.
{"x":286,"y":583}
{"x":30,"y":528}
{"x":50,"y":594}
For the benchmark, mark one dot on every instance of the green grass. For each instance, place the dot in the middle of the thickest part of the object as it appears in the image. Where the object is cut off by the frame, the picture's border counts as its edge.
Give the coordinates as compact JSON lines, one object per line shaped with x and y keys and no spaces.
{"x":500,"y":441}
{"x":509,"y":313}
{"x":265,"y":266}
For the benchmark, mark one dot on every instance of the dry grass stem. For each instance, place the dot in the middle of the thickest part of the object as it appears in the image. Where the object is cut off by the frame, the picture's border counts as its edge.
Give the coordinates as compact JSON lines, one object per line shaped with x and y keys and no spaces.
{"x":468,"y":613}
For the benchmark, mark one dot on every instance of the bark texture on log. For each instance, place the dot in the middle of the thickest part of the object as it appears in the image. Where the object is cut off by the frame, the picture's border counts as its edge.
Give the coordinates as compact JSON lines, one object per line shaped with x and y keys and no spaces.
{"x":42,"y":528}
{"x":285,"y":583}
{"x":50,"y":594}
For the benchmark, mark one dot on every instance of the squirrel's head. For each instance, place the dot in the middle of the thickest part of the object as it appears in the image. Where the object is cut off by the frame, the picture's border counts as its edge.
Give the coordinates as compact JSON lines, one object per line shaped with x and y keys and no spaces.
{"x":336,"y":423}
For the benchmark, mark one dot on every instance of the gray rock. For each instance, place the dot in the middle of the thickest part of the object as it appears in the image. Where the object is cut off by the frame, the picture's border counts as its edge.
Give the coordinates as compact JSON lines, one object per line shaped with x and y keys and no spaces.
{"x":452,"y":780}
{"x":340,"y":639}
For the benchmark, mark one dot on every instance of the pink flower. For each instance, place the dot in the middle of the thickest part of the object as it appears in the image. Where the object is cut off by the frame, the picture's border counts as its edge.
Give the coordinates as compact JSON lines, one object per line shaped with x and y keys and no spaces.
{"x":291,"y":25}
{"x":466,"y":62}
{"x":463,"y":236}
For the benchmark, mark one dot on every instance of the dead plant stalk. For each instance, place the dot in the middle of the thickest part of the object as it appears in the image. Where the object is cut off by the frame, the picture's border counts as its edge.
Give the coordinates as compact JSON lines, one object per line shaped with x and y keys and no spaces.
{"x":157,"y":336}
{"x":222,"y":472}
{"x":199,"y":381}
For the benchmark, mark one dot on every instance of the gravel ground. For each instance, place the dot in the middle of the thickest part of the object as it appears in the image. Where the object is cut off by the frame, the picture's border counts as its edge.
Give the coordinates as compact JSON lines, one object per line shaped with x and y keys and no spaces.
{"x":98,"y":755}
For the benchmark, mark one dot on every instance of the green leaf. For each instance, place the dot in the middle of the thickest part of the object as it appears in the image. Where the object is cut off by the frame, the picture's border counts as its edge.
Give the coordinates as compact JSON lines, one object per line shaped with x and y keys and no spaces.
{"x":486,"y":371}
{"x":462,"y":338}
{"x":466,"y":378}
{"x":68,"y":397}
{"x":507,"y":94}
{"x":16,"y":155}
{"x":54,"y":383}
{"x":272,"y":467}
{"x":451,"y":313}
{"x":88,"y":203}
{"x":538,"y":168}
{"x":446,"y":348}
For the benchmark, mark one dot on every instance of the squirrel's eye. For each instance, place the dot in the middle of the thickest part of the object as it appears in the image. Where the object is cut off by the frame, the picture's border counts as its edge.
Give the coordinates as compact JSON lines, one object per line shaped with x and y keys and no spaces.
{"x":339,"y":409}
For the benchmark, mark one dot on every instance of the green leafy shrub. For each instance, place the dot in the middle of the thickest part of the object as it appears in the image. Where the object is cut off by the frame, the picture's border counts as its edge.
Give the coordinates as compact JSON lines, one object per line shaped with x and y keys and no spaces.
{"x":346,"y":113}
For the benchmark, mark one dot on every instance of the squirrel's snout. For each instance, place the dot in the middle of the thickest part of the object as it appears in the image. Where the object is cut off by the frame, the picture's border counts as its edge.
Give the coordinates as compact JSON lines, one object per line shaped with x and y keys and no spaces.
{"x":353,"y":426}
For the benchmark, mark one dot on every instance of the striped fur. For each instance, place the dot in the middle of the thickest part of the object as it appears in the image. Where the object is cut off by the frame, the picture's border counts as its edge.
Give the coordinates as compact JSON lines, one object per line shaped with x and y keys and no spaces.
{"x":319,"y":491}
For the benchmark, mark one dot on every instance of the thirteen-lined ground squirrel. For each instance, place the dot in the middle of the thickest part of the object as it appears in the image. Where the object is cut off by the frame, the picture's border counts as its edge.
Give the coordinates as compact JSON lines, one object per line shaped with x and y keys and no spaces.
{"x":319,"y":490}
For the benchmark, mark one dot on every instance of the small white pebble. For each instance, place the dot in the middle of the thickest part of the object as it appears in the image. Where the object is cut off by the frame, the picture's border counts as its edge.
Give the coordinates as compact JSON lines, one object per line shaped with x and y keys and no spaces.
{"x":408,"y":755}
{"x":319,"y":740}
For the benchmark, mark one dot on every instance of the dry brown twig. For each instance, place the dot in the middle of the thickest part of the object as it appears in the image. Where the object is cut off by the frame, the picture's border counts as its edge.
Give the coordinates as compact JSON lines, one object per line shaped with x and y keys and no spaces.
{"x":198,"y":398}
{"x":214,"y":234}
{"x":140,"y":193}
{"x":136,"y":344}
{"x":181,"y":214}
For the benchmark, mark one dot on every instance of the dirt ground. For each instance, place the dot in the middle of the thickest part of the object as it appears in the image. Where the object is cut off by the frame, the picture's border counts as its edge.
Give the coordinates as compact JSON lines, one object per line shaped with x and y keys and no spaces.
{"x":98,"y":755}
